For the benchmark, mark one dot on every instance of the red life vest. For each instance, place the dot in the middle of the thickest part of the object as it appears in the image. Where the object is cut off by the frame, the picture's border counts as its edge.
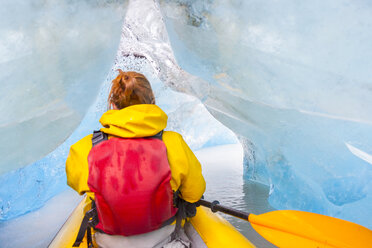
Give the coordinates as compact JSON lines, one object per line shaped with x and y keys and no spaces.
{"x":130,"y":179}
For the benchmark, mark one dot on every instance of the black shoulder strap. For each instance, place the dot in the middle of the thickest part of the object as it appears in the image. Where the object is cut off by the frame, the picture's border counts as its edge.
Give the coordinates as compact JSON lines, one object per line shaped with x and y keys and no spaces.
{"x":185,"y":210}
{"x":98,"y":137}
{"x":89,"y":221}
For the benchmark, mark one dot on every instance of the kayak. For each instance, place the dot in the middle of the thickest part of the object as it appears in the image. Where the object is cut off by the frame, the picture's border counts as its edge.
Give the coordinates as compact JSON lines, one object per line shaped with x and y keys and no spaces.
{"x":205,"y":229}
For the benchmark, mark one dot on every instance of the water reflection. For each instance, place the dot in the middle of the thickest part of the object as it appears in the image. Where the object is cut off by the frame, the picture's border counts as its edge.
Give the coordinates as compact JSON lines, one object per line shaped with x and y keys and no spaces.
{"x":223,"y":171}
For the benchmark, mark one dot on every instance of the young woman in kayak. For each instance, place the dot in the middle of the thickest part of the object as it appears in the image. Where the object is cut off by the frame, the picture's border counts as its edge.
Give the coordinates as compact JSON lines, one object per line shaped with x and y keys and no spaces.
{"x":132,"y":170}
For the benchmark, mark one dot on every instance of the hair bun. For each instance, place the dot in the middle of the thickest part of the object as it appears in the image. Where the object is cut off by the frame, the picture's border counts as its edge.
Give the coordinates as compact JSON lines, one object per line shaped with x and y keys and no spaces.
{"x":130,"y":88}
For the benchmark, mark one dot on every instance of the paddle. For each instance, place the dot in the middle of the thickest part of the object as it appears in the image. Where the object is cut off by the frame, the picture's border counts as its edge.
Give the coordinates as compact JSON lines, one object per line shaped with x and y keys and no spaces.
{"x":292,"y":228}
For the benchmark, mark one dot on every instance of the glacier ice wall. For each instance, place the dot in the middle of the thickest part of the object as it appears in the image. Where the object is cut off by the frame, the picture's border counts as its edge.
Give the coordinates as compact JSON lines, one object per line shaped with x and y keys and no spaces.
{"x":289,"y":78}
{"x":28,"y":188}
{"x":53,"y":57}
{"x":292,"y":79}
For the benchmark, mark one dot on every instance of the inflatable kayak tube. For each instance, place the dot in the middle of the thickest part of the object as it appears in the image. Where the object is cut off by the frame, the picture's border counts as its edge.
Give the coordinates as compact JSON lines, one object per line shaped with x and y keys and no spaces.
{"x":206,"y":229}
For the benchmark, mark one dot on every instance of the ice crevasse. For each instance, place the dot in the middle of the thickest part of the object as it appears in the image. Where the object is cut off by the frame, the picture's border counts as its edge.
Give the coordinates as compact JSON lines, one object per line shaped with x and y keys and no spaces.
{"x":290,"y":79}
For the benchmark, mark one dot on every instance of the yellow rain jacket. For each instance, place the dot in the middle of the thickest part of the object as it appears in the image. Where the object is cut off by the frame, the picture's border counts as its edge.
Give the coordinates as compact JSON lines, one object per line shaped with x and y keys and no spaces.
{"x":138,"y":121}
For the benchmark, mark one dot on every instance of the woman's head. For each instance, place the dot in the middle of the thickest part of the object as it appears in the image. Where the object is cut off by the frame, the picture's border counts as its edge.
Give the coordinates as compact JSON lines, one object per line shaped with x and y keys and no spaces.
{"x":130,"y":88}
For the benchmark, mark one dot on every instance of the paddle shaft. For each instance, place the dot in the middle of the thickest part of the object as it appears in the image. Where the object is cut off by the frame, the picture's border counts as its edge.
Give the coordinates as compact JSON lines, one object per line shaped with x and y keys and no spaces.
{"x":215,"y":206}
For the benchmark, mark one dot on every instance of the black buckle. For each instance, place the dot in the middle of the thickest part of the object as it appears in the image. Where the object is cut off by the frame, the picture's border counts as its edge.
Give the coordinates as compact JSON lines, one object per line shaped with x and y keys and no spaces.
{"x":90,"y":220}
{"x":92,"y":216}
{"x":98,"y":137}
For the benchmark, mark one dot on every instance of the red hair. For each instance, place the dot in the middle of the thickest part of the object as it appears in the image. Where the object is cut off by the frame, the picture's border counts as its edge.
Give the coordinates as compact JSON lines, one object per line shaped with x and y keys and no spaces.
{"x":130,"y":88}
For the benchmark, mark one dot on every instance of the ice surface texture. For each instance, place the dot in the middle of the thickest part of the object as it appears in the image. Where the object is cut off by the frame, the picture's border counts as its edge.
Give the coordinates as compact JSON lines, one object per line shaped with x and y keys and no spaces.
{"x":293,"y":79}
{"x":54,"y":55}
{"x":28,"y":188}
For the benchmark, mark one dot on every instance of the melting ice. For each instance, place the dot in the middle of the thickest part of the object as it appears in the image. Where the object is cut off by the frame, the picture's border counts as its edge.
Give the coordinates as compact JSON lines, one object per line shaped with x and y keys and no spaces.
{"x":293,"y":81}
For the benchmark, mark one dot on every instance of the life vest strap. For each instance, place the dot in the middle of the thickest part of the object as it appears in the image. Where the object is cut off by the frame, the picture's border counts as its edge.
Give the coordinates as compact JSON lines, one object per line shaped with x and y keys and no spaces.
{"x":185,"y":210}
{"x":169,"y":221}
{"x":98,"y":137}
{"x":90,"y":220}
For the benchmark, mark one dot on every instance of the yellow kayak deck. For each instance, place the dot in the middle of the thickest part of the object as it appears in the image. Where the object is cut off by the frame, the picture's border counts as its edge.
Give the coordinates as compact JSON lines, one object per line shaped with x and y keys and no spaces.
{"x":214,"y":231}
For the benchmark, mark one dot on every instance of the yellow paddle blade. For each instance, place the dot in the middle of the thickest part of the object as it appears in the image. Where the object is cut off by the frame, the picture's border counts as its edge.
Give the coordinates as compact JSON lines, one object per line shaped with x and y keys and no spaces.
{"x":291,"y":228}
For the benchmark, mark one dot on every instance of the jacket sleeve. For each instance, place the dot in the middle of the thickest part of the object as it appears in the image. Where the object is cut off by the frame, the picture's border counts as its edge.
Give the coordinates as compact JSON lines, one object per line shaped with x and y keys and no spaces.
{"x":77,"y":169}
{"x":185,"y":168}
